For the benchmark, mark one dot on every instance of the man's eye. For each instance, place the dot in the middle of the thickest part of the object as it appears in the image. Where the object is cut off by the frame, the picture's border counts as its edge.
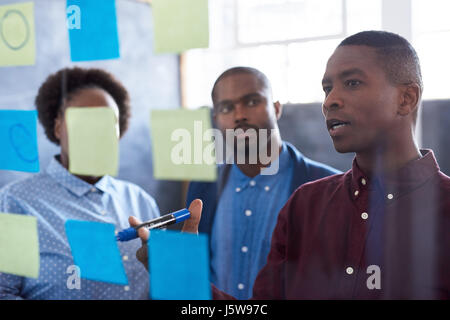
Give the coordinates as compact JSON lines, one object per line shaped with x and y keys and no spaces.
{"x":327,"y":90}
{"x":352,"y":83}
{"x":253,"y":102}
{"x":225,"y":109}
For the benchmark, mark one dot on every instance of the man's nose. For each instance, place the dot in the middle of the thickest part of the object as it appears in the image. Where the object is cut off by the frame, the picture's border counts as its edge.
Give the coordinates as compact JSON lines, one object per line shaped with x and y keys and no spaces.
{"x":240,"y":113}
{"x":332,"y":101}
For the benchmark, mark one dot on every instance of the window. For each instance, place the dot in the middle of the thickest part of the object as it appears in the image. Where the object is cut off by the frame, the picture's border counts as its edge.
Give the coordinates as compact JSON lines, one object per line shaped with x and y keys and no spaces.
{"x":289,"y":40}
{"x":431,"y":39}
{"x":265,"y":21}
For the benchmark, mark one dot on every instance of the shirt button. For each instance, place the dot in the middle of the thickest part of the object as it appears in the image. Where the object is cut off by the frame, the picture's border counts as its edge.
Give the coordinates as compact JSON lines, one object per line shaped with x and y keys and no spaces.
{"x":356,"y":193}
{"x":125,"y":258}
{"x":252,"y":183}
{"x":238,"y":189}
{"x":126,"y":288}
{"x":103,"y":212}
{"x":363,"y":181}
{"x":244,"y":249}
{"x":267,"y":188}
{"x":390,"y":196}
{"x":248,"y":213}
{"x":364,"y":215}
{"x":241,"y":286}
{"x":349,"y":270}
{"x":93,"y":189}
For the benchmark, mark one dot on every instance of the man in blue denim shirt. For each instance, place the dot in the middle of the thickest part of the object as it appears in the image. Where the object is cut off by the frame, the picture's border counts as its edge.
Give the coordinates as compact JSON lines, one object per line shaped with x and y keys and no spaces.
{"x":240,"y":210}
{"x":55,"y":195}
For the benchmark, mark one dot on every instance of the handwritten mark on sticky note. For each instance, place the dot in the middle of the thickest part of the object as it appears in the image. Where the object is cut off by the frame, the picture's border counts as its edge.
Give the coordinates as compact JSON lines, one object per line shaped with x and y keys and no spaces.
{"x":18,"y":141}
{"x":19,"y":245}
{"x":93,"y":34}
{"x":95,"y":251}
{"x":93,"y":141}
{"x":17,"y":35}
{"x":178,"y":266}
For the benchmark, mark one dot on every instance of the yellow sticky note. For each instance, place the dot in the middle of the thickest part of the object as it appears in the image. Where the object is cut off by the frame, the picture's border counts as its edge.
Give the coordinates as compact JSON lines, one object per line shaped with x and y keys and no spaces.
{"x":93,"y":136}
{"x":17,"y":35}
{"x":183,"y":148}
{"x":19,"y":245}
{"x":180,"y":25}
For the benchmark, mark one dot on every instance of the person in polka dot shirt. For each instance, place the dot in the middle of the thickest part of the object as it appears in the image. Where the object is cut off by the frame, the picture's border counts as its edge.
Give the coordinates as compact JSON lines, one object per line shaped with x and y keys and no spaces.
{"x":55,"y":195}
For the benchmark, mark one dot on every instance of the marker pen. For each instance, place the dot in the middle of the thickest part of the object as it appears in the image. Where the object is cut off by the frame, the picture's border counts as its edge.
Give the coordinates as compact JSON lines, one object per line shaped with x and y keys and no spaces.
{"x":161,"y":222}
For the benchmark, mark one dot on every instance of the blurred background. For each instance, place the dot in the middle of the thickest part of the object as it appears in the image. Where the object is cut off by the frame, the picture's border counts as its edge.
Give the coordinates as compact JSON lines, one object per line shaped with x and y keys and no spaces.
{"x":289,"y":40}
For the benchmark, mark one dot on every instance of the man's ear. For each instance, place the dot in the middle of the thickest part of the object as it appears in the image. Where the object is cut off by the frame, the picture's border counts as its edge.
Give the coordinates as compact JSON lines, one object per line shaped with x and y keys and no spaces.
{"x":278,"y":109}
{"x":409,"y":99}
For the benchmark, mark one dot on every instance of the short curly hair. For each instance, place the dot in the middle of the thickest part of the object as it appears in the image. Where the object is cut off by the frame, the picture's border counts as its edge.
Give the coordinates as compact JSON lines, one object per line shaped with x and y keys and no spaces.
{"x":65,"y":83}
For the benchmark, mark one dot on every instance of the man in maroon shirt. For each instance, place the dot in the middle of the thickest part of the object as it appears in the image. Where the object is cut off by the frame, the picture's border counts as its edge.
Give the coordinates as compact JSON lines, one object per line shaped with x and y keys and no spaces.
{"x":382,"y":229}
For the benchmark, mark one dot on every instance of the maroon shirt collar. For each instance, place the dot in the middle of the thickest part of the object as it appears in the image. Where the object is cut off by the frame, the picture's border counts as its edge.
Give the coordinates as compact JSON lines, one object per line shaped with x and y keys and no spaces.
{"x":409,"y":177}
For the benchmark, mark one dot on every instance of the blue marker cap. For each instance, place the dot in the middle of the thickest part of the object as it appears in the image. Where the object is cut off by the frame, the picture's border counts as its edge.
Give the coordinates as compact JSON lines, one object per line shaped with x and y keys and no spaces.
{"x":127,"y":234}
{"x":181,"y":215}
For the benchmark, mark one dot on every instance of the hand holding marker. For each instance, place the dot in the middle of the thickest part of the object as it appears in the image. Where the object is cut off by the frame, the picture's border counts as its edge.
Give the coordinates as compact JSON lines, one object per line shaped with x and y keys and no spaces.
{"x":161,"y":222}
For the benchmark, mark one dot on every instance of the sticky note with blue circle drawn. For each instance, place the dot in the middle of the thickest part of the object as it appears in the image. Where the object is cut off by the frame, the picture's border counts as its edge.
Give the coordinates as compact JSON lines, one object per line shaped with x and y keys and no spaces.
{"x":18,"y":140}
{"x":17,"y":34}
{"x":92,"y":27}
{"x":95,"y":251}
{"x":178,"y":266}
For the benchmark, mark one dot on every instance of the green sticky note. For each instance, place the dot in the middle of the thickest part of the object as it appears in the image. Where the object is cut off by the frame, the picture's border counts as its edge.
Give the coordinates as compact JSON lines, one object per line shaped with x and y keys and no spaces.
{"x":180,"y":25}
{"x":17,"y":35}
{"x":183,"y":148}
{"x":93,"y":141}
{"x":19,"y":245}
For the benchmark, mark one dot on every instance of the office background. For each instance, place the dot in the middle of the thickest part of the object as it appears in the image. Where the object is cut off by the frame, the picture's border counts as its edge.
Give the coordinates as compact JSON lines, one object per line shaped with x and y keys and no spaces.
{"x":289,"y":40}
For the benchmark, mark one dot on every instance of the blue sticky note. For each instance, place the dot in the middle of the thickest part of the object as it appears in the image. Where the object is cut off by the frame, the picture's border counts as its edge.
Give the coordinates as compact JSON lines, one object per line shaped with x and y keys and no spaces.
{"x":95,"y":251}
{"x":18,"y":141}
{"x":92,"y":29}
{"x":178,"y":266}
